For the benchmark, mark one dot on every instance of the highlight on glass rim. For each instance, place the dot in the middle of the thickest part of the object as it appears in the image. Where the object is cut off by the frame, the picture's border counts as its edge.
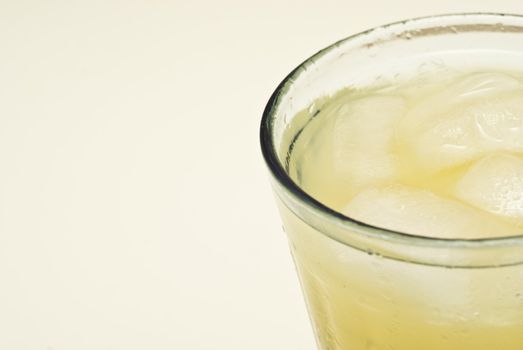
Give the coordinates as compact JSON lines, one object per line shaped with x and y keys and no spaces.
{"x":396,"y":157}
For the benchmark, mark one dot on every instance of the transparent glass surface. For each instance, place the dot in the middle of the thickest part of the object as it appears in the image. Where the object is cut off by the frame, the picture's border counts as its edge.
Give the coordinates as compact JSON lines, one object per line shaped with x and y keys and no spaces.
{"x":371,"y":288}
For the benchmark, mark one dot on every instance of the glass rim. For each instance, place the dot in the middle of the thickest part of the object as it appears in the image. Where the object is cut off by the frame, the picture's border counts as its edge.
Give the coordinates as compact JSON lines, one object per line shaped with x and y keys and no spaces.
{"x":277,"y":170}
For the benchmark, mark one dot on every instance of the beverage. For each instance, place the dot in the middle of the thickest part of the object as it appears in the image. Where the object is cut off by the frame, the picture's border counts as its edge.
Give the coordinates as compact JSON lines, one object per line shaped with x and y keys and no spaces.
{"x":365,"y":155}
{"x":400,"y":185}
{"x":416,"y":156}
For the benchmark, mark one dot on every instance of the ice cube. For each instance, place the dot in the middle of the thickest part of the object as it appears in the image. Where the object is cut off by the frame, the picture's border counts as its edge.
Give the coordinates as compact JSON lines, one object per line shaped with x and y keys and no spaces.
{"x":499,"y":121}
{"x":474,"y":86}
{"x":481,"y":84}
{"x":421,"y":212}
{"x":363,"y":132}
{"x":476,"y":115}
{"x":494,"y":184}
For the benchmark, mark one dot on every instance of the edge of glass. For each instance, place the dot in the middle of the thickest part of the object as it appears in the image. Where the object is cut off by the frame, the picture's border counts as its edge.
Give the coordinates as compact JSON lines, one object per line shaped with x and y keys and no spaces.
{"x":278,"y":172}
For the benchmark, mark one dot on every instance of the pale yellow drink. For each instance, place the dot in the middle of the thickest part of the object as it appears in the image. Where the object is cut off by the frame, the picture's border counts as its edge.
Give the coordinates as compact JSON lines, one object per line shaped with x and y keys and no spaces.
{"x":396,"y":157}
{"x":423,"y":141}
{"x":440,"y":157}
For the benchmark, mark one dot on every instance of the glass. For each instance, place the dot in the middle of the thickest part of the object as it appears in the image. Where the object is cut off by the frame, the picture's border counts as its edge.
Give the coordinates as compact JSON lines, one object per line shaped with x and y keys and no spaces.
{"x":371,"y":288}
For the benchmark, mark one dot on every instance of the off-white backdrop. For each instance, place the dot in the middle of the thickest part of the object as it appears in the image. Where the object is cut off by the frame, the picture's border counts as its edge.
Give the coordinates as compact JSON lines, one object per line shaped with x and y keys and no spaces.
{"x":135,"y":209}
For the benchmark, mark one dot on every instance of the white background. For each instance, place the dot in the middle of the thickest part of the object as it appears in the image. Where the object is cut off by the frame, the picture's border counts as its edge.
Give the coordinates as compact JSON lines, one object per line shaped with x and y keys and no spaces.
{"x":135,"y":208}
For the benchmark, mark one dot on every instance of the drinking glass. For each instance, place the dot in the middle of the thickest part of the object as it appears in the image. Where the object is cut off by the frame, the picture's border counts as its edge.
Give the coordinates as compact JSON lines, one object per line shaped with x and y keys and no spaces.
{"x":367,"y":287}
